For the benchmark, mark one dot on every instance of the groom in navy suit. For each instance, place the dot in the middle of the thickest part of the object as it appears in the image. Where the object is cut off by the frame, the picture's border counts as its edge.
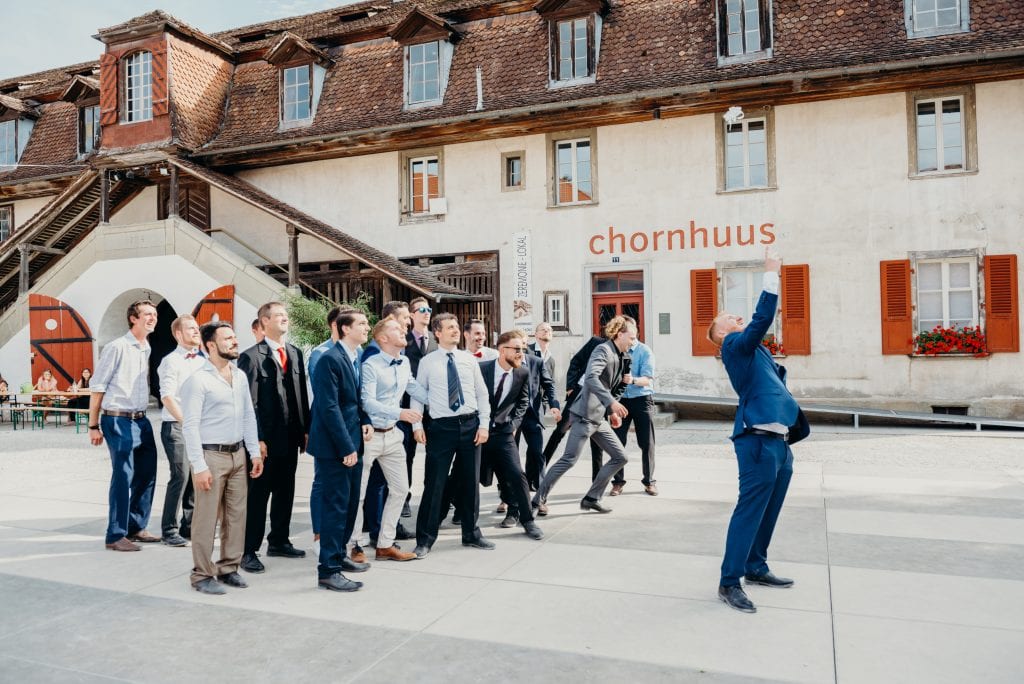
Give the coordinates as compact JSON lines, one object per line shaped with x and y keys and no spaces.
{"x":768,"y":420}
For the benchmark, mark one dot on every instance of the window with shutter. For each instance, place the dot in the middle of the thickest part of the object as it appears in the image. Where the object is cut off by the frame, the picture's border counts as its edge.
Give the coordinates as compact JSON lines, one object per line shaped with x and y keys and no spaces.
{"x":897,"y":321}
{"x":108,"y":89}
{"x":703,"y":309}
{"x":1002,"y":318}
{"x":796,"y":309}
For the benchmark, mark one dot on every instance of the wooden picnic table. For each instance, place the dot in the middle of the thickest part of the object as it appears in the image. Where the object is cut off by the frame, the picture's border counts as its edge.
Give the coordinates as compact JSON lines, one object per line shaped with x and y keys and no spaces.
{"x":37,"y":407}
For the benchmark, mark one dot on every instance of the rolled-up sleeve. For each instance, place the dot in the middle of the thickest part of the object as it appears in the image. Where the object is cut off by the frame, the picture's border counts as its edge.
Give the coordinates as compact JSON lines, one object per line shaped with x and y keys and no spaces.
{"x":105,"y":368}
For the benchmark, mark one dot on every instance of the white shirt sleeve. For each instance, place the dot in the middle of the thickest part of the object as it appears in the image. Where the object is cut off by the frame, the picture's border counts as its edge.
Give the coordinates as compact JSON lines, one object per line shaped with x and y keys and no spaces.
{"x":192,"y":411}
{"x":770,"y":282}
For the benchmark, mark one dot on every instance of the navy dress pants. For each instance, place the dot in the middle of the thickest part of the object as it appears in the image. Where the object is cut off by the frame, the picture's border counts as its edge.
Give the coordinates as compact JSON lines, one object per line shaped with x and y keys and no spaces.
{"x":765,"y":469}
{"x":339,"y":496}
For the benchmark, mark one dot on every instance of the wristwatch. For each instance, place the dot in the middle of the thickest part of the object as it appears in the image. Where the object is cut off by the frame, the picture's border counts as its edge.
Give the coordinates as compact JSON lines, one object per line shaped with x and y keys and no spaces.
{"x":94,"y":427}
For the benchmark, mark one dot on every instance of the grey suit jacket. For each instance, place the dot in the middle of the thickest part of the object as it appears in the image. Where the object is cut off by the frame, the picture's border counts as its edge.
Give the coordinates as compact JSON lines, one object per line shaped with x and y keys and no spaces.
{"x":601,"y":383}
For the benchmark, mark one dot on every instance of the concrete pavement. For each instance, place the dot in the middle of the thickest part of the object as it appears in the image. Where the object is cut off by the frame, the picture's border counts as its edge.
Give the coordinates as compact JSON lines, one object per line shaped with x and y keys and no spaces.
{"x":907,"y":547}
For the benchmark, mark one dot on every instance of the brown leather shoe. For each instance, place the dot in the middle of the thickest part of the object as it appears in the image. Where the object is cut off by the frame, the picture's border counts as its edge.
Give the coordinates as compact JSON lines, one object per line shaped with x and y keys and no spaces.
{"x":502,"y":508}
{"x":651,"y":489}
{"x":357,"y":555}
{"x":144,"y":537}
{"x":395,"y":554}
{"x":616,"y":489}
{"x":123,"y":544}
{"x":542,"y":510}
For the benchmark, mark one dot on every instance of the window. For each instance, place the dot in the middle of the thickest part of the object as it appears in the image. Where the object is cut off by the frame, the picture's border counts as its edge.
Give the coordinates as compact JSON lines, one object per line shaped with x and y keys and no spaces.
{"x":947,"y":293}
{"x":744,"y":30}
{"x":926,"y":18}
{"x":741,"y":288}
{"x":574,"y":39}
{"x":6,"y":221}
{"x":422,"y":185}
{"x":942,"y":132}
{"x":88,"y":129}
{"x":747,"y":152}
{"x":138,"y":77}
{"x":297,"y":93}
{"x":426,"y":72}
{"x":14,"y":136}
{"x":572,"y":160}
{"x":555,"y":305}
{"x":512,"y":171}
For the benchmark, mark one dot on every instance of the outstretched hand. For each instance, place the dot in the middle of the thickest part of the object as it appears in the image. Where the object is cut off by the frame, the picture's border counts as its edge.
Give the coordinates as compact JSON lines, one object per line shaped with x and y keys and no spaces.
{"x":772,"y":260}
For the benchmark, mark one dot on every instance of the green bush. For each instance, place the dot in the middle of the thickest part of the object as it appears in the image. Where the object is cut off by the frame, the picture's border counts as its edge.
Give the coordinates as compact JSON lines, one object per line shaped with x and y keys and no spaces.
{"x":308,"y":317}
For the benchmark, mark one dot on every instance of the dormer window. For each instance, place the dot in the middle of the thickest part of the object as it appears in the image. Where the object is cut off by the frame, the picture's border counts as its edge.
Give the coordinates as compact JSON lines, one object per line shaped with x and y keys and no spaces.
{"x":138,"y":87}
{"x":16,"y":123}
{"x":88,"y":129}
{"x":296,"y":93}
{"x":424,"y":73}
{"x":429,"y":44}
{"x":575,"y":39}
{"x":303,"y":68}
{"x":8,"y":143}
{"x":744,"y":30}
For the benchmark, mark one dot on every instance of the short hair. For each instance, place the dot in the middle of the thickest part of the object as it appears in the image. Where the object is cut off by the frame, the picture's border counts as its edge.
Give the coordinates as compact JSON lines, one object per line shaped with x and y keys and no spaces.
{"x":264,"y":311}
{"x":208,"y":332}
{"x":390,"y":307}
{"x":178,"y":323}
{"x":439,"y":319}
{"x":711,"y":330}
{"x":333,"y":314}
{"x":417,"y":302}
{"x":256,"y":324}
{"x":616,"y":325}
{"x":346,"y":318}
{"x":542,"y":323}
{"x":378,"y":329}
{"x":471,"y":322}
{"x":508,"y":335}
{"x":133,"y":309}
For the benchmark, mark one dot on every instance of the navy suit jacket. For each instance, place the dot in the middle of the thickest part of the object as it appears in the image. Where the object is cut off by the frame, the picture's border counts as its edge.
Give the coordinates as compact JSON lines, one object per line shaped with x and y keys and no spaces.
{"x":338,"y":417}
{"x":757,"y":379}
{"x":542,"y":387}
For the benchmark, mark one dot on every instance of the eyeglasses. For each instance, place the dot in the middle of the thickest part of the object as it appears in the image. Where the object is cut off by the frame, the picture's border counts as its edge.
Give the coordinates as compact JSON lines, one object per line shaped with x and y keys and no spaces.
{"x":517,"y":350}
{"x":424,"y":309}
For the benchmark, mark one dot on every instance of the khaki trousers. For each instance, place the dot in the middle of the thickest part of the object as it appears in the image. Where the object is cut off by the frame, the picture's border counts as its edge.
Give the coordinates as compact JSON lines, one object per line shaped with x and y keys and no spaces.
{"x":387,"y":449}
{"x":223,"y":503}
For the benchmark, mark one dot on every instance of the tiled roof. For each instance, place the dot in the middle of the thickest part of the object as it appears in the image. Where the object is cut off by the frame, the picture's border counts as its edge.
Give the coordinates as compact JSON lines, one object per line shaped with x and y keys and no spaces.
{"x":387,"y":264}
{"x":53,"y":148}
{"x":51,"y":81}
{"x":202,"y":79}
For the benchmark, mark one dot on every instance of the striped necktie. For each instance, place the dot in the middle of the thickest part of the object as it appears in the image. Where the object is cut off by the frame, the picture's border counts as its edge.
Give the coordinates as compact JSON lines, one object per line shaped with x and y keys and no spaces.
{"x":455,"y":398}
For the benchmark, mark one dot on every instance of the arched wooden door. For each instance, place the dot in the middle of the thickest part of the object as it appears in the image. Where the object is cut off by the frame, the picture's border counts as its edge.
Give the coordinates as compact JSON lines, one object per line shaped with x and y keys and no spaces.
{"x":60,"y":340}
{"x":218,"y":305}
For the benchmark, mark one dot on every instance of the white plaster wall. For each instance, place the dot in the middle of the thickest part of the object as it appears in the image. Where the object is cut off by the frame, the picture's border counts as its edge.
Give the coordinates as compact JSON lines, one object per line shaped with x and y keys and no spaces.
{"x":140,"y":210}
{"x":24,"y":210}
{"x":15,"y":362}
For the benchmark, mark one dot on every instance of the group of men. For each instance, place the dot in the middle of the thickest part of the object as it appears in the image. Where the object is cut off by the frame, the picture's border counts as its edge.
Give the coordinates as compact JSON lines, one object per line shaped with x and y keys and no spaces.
{"x":233,"y":425}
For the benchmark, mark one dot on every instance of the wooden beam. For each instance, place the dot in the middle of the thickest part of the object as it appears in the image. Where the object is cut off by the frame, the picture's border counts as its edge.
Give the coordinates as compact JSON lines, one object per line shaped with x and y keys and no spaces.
{"x":23,"y":273}
{"x":104,"y":198}
{"x":172,"y":210}
{"x":293,"y":255}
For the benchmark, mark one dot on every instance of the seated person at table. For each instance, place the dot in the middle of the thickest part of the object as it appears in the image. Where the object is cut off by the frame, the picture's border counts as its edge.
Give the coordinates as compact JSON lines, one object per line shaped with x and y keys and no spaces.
{"x":82,"y":401}
{"x":46,"y":383}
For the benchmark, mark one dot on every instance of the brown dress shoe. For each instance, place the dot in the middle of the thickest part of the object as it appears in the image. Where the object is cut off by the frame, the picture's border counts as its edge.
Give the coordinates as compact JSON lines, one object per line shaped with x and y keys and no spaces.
{"x":616,"y":489}
{"x":123,"y":544}
{"x":144,"y":537}
{"x":502,"y":508}
{"x":651,"y":489}
{"x":357,"y":555}
{"x":394,"y":553}
{"x":542,"y":510}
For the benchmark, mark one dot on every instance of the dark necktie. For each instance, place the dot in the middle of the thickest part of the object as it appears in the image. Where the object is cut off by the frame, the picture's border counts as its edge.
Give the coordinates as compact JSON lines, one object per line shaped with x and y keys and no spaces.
{"x":455,"y":398}
{"x":497,"y":392}
{"x":423,"y":345}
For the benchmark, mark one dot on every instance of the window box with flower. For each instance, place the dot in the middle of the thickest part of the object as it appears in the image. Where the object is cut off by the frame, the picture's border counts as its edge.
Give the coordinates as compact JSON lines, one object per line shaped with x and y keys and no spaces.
{"x":773,"y":345}
{"x":952,"y":341}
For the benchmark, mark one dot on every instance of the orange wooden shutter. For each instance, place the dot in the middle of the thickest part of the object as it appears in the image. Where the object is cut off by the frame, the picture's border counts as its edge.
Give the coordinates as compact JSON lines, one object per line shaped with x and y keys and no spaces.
{"x":217,"y":305}
{"x":703,"y":309}
{"x":897,"y":311}
{"x":108,"y":89}
{"x":1002,"y":320}
{"x":796,"y":309}
{"x":159,"y":66}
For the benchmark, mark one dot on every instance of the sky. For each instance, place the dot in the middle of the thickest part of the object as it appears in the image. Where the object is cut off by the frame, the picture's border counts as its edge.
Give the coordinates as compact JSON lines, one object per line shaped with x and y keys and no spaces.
{"x":46,"y":34}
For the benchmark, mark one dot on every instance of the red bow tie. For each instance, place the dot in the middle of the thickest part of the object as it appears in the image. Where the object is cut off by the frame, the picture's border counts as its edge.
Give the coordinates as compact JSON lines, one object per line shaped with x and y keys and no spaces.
{"x":478,"y":354}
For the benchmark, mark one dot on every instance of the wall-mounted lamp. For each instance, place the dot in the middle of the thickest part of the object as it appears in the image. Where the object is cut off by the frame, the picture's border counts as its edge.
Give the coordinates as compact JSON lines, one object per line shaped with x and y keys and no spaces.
{"x":733,"y":115}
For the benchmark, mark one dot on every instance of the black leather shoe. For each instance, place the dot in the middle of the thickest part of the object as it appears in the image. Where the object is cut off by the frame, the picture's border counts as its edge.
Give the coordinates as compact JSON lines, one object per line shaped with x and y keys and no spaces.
{"x":532,"y":530}
{"x":479,"y":543}
{"x":338,"y":582}
{"x":349,"y":565}
{"x":233,"y":579}
{"x":456,"y":518}
{"x":406,"y":510}
{"x":209,"y":586}
{"x":736,"y":598}
{"x":286,"y":551}
{"x":402,"y":534}
{"x":769,"y":580}
{"x":174,"y":540}
{"x":592,"y":505}
{"x":251,"y":563}
{"x":421,"y":551}
{"x":511,"y":520}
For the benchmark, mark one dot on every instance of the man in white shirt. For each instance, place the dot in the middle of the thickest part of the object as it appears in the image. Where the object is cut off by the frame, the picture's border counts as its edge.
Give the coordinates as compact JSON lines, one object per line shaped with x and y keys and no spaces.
{"x":174,"y":370}
{"x":475,"y":335}
{"x":460,"y":414}
{"x":219,"y":426}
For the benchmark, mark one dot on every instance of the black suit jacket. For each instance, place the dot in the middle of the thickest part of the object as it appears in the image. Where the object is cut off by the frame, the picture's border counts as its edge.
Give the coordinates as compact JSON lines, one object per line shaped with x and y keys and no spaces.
{"x":413,"y":353}
{"x":505,"y":417}
{"x":542,"y":387}
{"x":266,"y":384}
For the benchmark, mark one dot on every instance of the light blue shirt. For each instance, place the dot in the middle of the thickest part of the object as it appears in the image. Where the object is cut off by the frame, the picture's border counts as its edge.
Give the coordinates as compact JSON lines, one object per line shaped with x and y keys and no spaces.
{"x":643,"y":367}
{"x":122,"y":375}
{"x":382,"y":388}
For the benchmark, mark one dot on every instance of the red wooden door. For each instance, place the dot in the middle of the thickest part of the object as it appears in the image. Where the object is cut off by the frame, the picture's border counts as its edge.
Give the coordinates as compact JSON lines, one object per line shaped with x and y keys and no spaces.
{"x":218,"y":305}
{"x":607,"y":307}
{"x":60,"y":339}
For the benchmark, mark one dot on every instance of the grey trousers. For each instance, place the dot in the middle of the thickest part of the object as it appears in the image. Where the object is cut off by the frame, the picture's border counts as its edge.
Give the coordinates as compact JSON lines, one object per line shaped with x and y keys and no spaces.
{"x":581,"y":432}
{"x":179,"y":495}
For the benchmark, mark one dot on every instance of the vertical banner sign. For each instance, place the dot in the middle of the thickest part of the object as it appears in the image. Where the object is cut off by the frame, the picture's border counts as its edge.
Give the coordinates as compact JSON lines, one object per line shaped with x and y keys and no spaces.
{"x":522,"y":300}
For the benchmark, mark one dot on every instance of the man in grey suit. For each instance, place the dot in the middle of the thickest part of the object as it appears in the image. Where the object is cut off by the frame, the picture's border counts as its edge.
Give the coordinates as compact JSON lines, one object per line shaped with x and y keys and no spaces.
{"x":596,"y":413}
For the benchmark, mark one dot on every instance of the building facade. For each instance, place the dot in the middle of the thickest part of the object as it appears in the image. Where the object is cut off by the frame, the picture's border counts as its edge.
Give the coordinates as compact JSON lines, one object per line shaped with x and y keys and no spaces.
{"x":556,"y":160}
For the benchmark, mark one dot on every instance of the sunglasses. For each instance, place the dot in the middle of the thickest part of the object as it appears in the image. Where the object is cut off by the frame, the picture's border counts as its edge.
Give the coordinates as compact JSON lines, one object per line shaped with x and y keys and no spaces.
{"x":424,"y":309}
{"x":517,"y":350}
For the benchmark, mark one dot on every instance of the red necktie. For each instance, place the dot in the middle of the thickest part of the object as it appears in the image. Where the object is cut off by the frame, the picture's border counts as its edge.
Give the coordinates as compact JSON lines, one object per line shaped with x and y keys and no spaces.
{"x":284,"y":359}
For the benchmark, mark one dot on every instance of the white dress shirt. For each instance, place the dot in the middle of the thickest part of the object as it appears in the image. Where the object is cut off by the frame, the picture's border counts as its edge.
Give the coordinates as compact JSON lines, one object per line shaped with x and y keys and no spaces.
{"x":433,"y":376}
{"x":174,"y":370}
{"x":485,"y":354}
{"x":123,"y":375}
{"x":499,"y":372}
{"x":217,"y":413}
{"x":274,"y":346}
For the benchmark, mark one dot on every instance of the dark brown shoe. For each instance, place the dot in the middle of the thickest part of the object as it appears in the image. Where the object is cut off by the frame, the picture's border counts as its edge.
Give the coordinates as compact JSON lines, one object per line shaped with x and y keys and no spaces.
{"x":502,"y":508}
{"x":357,"y":555}
{"x":144,"y":537}
{"x":123,"y":544}
{"x":395,"y":554}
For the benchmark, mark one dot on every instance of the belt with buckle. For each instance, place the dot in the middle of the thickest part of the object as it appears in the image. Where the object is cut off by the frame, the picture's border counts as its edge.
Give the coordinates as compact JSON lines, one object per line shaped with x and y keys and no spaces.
{"x":768,"y":433}
{"x":134,"y":415}
{"x":223,"y":448}
{"x":461,"y":417}
{"x":377,"y":429}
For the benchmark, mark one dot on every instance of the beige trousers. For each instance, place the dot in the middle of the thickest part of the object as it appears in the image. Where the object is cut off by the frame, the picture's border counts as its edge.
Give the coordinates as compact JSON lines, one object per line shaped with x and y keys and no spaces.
{"x":224,"y":502}
{"x":387,"y":449}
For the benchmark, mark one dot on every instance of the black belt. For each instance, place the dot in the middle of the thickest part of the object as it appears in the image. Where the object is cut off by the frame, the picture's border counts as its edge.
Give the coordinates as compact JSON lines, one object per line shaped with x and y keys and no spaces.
{"x":223,"y":448}
{"x":462,"y":417}
{"x":134,"y":415}
{"x":768,"y":433}
{"x":377,"y":429}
